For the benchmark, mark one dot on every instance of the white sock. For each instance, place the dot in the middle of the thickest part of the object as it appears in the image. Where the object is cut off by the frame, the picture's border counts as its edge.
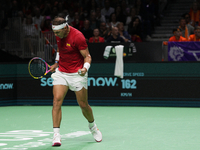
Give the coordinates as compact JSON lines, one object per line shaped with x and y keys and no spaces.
{"x":56,"y":130}
{"x":91,"y":124}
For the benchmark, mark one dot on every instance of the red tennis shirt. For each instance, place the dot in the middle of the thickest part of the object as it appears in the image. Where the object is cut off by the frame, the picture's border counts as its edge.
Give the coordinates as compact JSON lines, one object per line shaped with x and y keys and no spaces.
{"x":69,"y":50}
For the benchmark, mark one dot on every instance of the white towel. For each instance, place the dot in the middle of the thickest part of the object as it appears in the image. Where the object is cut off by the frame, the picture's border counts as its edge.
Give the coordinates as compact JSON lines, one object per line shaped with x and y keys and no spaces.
{"x":107,"y":52}
{"x":119,"y":64}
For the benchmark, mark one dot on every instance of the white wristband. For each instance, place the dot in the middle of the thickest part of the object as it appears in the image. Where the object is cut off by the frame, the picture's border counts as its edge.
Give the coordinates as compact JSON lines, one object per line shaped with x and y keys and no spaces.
{"x":57,"y":56}
{"x":86,"y":65}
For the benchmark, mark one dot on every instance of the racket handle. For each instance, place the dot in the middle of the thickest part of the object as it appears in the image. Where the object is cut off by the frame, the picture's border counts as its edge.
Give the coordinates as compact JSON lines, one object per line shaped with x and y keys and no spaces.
{"x":47,"y":72}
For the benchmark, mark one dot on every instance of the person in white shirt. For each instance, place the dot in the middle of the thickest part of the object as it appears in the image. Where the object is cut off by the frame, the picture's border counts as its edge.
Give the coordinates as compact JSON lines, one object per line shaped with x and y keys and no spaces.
{"x":107,"y":10}
{"x":30,"y":36}
{"x":99,"y":16}
{"x":38,"y":18}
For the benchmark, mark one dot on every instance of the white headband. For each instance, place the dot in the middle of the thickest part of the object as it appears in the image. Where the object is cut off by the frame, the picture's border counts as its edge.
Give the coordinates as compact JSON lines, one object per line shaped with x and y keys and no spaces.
{"x":61,"y":26}
{"x":58,"y":27}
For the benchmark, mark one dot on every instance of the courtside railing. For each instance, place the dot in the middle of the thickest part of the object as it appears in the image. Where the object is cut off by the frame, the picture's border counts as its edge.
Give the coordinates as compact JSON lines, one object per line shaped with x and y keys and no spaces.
{"x":26,"y":41}
{"x":13,"y":36}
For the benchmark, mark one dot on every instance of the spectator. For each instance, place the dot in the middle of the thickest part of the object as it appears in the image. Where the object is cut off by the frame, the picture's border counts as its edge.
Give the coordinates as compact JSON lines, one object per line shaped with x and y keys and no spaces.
{"x":16,"y":24}
{"x":125,"y":9}
{"x":146,"y":25}
{"x":91,"y":5}
{"x":196,"y":35}
{"x":134,"y":29}
{"x":37,"y":20}
{"x":60,"y":7}
{"x":46,"y":11}
{"x":94,"y":23}
{"x":71,"y":16}
{"x":99,"y":16}
{"x":122,"y":33}
{"x":149,"y":13}
{"x":87,"y":32}
{"x":62,"y":15}
{"x":113,"y":21}
{"x":139,"y":7}
{"x":46,"y":24}
{"x":54,"y":12}
{"x":65,"y":13}
{"x":103,"y":30}
{"x":84,"y":15}
{"x":29,"y":28}
{"x":132,"y":16}
{"x":84,"y":4}
{"x":188,"y":19}
{"x":27,"y":8}
{"x":21,"y":15}
{"x":186,"y":30}
{"x":100,"y":3}
{"x":119,"y":14}
{"x":107,"y":10}
{"x":195,"y":13}
{"x":77,"y":23}
{"x":177,"y":36}
{"x":13,"y":12}
{"x":96,"y":38}
{"x":30,"y":33}
{"x":115,"y":37}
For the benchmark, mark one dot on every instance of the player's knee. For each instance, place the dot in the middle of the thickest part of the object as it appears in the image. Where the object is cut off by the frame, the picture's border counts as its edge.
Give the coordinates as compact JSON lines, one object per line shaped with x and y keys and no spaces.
{"x":83,"y":106}
{"x":57,"y":102}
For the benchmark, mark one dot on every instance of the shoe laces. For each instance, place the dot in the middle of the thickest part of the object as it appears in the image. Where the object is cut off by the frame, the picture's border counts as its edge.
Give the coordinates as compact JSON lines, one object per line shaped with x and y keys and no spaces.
{"x":94,"y":129}
{"x":56,"y":136}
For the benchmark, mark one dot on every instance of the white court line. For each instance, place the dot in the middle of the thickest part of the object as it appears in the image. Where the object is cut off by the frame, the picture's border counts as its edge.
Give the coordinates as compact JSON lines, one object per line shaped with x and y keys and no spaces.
{"x":29,"y":135}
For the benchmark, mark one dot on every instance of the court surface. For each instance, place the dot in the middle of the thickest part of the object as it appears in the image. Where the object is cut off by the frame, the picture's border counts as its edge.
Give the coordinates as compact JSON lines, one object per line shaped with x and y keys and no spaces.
{"x":123,"y":128}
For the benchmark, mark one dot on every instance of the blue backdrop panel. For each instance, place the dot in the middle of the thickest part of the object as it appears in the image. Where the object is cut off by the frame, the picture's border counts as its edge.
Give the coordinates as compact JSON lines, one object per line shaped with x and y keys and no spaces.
{"x":144,"y":84}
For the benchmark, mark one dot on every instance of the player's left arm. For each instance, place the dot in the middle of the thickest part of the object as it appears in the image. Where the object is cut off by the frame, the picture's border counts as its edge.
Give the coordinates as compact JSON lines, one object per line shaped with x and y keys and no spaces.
{"x":87,"y":61}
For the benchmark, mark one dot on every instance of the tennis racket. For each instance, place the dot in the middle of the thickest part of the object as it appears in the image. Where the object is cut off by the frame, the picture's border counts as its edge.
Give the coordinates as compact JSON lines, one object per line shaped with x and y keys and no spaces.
{"x":38,"y":68}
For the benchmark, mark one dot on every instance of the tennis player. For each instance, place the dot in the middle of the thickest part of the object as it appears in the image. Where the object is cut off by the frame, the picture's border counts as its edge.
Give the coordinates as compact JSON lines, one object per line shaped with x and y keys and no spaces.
{"x":71,"y":66}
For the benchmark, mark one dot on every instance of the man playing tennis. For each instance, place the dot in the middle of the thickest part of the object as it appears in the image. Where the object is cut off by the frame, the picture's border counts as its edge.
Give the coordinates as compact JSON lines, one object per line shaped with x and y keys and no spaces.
{"x":71,"y":66}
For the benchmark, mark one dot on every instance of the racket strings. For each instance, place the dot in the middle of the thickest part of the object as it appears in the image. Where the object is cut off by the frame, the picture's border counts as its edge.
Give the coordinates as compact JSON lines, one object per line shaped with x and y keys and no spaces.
{"x":37,"y":68}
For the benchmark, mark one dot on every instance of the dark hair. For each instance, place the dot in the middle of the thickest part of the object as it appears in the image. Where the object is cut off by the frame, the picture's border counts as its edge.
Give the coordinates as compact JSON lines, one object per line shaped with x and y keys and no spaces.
{"x":176,"y":29}
{"x":95,"y":29}
{"x":187,"y":14}
{"x":181,"y":19}
{"x":58,"y":20}
{"x":110,"y":19}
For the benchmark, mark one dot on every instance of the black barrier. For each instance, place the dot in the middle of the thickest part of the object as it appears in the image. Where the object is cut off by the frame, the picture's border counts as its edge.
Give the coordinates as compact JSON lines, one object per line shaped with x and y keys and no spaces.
{"x":144,"y":84}
{"x":135,"y":52}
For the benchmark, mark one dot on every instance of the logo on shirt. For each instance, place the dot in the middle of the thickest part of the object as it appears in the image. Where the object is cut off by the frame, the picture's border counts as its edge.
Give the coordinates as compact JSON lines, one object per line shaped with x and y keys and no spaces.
{"x":68,"y":44}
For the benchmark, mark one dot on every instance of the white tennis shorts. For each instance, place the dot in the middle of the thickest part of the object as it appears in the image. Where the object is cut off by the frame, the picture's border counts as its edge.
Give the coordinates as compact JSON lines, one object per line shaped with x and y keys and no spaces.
{"x":74,"y":81}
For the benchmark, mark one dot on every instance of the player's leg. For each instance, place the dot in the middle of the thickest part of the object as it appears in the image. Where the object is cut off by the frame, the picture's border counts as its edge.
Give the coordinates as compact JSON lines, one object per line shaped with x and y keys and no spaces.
{"x":59,"y":92}
{"x":82,"y":99}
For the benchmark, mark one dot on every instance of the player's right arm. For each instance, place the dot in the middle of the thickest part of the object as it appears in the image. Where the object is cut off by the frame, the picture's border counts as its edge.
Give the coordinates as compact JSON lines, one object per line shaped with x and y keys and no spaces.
{"x":55,"y":65}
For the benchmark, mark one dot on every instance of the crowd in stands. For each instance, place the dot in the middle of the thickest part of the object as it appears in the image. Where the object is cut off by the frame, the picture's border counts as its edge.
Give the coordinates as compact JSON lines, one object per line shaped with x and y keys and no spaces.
{"x":101,"y":20}
{"x":189,"y":26}
{"x":98,"y":20}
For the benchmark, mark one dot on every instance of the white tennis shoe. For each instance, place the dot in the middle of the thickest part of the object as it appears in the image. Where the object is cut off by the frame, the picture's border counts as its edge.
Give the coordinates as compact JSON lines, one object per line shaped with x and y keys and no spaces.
{"x":56,"y":140}
{"x":96,"y":133}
